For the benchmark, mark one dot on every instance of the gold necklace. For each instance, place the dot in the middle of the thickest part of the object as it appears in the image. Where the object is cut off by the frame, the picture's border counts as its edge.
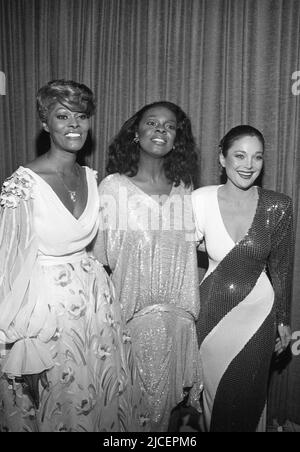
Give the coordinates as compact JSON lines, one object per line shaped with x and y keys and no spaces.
{"x":72,"y":193}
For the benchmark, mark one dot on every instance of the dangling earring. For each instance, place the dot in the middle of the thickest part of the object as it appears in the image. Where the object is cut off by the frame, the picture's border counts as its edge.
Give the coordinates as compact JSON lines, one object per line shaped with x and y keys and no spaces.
{"x":136,"y":140}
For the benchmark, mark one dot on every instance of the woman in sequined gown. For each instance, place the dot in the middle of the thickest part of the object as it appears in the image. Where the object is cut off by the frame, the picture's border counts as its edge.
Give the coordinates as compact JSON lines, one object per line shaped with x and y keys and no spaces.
{"x":148,"y":243}
{"x":248,"y":235}
{"x":67,"y":365}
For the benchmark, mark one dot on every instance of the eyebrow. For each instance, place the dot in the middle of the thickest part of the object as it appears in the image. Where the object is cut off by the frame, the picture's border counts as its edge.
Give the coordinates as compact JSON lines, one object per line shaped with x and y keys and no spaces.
{"x":64,"y":109}
{"x":155,"y":117}
{"x":245,"y":152}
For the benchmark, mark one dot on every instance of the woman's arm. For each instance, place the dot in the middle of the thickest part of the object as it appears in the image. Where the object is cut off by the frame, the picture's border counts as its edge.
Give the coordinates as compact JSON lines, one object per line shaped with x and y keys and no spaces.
{"x":281,"y":271}
{"x":18,"y":254}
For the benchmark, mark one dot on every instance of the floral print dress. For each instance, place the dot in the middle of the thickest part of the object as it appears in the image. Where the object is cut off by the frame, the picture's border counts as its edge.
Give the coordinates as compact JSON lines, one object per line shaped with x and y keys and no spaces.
{"x":58,"y":314}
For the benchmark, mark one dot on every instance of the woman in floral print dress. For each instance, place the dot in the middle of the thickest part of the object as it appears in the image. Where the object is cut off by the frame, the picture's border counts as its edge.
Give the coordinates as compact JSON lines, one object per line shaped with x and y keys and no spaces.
{"x":66,"y":361}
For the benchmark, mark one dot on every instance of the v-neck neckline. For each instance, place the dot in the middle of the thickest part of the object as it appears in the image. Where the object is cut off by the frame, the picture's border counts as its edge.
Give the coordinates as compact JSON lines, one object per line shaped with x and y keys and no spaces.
{"x":252,"y":222}
{"x":58,"y":198}
{"x":151,"y":197}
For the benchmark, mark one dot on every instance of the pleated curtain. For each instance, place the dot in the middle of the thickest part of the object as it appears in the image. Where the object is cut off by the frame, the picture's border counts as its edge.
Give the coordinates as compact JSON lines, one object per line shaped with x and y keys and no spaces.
{"x":225,"y":62}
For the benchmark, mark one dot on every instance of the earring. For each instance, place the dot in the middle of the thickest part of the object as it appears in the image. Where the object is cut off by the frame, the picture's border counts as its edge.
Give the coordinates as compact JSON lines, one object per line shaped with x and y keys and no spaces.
{"x":136,"y":140}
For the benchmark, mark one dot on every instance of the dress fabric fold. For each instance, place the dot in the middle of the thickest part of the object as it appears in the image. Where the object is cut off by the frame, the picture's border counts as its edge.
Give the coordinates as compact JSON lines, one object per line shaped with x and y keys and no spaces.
{"x":149,"y":245}
{"x":58,"y":314}
{"x":245,"y":293}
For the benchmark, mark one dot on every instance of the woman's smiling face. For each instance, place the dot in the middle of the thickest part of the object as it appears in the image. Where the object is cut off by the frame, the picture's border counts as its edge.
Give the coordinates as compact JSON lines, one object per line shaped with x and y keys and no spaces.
{"x":243,"y":161}
{"x":68,"y":129}
{"x":157,"y":131}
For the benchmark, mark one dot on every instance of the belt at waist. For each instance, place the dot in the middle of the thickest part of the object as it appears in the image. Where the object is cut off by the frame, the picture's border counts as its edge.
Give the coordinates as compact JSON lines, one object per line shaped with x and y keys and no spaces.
{"x":168,"y":308}
{"x":44,"y":259}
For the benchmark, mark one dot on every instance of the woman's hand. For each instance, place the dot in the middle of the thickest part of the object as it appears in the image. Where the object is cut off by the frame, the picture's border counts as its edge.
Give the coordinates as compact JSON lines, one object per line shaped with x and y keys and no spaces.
{"x":31,"y":383}
{"x":285,"y":336}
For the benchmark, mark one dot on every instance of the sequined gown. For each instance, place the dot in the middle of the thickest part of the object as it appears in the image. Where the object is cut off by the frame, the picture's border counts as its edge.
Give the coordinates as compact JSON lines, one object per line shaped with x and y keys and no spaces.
{"x":241,"y":306}
{"x":58,"y":314}
{"x":150,"y":248}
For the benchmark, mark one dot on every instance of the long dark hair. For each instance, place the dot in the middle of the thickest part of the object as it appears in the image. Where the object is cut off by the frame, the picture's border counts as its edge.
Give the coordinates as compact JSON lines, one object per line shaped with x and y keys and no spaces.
{"x":180,"y":164}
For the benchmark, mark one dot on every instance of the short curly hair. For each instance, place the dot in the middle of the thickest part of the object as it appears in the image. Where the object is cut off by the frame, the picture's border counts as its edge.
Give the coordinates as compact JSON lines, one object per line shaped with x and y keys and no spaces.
{"x":180,"y":164}
{"x":75,"y":96}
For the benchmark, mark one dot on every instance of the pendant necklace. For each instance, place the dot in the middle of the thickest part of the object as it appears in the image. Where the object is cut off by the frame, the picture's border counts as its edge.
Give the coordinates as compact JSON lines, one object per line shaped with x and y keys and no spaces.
{"x":72,"y":193}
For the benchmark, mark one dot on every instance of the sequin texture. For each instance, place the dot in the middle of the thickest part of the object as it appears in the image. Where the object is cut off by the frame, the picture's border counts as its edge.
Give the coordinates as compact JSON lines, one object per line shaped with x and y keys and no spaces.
{"x":154,"y":270}
{"x":241,"y":304}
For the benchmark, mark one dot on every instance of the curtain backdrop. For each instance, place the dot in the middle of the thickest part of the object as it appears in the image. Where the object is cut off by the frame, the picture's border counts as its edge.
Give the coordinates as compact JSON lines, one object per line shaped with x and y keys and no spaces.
{"x":225,"y":62}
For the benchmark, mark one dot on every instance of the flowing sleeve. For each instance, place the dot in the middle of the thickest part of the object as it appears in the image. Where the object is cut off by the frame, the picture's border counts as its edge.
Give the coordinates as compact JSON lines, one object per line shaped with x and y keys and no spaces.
{"x":18,"y":253}
{"x":281,"y":261}
{"x":100,"y":244}
{"x":197,"y":203}
{"x":112,"y":222}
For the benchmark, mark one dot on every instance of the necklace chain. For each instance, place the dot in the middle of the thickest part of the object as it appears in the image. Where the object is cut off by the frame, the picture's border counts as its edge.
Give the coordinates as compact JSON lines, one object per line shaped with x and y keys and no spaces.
{"x":72,"y":193}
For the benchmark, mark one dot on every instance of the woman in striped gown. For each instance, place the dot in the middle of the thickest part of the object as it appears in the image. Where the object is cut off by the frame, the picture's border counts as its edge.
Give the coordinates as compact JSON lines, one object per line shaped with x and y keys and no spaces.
{"x":247,"y":232}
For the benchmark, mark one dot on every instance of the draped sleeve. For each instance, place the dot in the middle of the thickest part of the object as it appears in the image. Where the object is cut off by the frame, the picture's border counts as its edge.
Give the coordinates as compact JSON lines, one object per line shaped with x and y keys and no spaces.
{"x":281,"y":259}
{"x":101,"y":241}
{"x":112,"y":220}
{"x":18,"y":254}
{"x":199,"y":213}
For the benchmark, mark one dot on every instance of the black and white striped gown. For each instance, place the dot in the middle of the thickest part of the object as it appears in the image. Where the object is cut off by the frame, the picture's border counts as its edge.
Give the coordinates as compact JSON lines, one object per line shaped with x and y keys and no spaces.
{"x":241,"y":306}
